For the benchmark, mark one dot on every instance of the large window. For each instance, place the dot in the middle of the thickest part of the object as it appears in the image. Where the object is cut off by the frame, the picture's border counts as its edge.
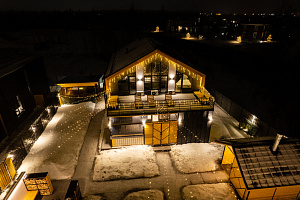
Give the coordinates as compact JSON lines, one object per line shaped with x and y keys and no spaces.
{"x":183,"y":82}
{"x":127,"y":85}
{"x":156,"y":77}
{"x":19,"y":108}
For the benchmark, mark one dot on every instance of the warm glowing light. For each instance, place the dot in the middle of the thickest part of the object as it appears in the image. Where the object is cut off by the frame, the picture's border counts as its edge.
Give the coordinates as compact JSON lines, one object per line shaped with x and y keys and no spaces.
{"x":253,"y":119}
{"x":109,"y":124}
{"x":10,"y":156}
{"x":157,"y":29}
{"x":210,"y":118}
{"x":179,"y":120}
{"x":144,"y":122}
{"x":81,"y":88}
{"x":239,"y":39}
{"x":188,"y":35}
{"x":269,"y":39}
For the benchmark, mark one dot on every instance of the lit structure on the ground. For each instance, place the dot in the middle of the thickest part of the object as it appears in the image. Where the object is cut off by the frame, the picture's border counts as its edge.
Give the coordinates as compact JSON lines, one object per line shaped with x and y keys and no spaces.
{"x":269,"y":39}
{"x":148,"y":91}
{"x":257,"y":172}
{"x":78,"y":89}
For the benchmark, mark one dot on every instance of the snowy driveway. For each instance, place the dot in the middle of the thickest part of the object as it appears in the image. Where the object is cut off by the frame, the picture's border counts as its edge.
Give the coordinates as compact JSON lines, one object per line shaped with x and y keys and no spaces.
{"x":57,"y":149}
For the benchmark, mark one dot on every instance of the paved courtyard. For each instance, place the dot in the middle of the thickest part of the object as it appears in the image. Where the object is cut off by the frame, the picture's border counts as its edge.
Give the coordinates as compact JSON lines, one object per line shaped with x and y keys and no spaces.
{"x":170,"y":180}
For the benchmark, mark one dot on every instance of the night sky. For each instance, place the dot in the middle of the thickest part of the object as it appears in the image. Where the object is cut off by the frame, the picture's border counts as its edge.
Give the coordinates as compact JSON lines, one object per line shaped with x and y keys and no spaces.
{"x":228,"y":6}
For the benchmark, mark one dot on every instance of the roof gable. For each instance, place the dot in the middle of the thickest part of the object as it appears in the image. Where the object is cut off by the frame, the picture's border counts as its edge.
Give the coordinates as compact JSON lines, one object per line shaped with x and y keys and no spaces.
{"x":140,"y":50}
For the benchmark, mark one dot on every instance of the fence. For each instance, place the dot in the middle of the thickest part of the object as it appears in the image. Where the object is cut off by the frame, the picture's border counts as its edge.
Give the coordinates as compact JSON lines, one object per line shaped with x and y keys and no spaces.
{"x":38,"y":127}
{"x":239,"y":113}
{"x":160,"y":107}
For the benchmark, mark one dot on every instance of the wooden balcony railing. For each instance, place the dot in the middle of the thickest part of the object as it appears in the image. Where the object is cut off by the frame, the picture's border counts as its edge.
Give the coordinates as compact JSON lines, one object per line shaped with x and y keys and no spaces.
{"x":160,"y":107}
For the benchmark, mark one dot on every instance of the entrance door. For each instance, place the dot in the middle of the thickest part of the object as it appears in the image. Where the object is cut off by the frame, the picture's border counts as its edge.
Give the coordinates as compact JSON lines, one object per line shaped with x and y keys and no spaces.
{"x":161,"y":132}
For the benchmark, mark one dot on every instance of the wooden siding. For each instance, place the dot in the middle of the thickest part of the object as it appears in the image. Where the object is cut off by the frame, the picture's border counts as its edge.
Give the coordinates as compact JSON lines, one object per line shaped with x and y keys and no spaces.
{"x":127,"y":141}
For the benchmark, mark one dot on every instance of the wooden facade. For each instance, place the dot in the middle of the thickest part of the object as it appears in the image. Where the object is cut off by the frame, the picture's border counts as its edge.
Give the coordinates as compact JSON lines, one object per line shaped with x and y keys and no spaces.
{"x":257,"y":173}
{"x":7,"y":172}
{"x":167,"y":96}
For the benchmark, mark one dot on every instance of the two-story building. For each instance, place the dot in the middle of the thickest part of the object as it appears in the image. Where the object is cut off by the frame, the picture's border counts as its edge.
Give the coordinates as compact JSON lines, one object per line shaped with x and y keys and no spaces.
{"x":156,"y":97}
{"x":23,"y":86}
{"x":254,"y":32}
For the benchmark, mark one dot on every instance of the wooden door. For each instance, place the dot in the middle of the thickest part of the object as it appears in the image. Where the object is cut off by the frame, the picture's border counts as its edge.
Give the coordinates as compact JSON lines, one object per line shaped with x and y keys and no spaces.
{"x":156,"y":134}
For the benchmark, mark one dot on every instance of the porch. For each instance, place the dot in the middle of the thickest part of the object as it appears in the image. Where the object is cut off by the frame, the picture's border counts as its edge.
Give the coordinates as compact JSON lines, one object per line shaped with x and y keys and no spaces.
{"x":126,"y":105}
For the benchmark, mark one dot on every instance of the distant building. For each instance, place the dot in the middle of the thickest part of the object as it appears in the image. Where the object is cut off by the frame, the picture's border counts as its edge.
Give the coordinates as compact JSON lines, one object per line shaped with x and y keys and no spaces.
{"x":156,"y":97}
{"x":183,"y":26}
{"x":254,"y":32}
{"x":23,"y":86}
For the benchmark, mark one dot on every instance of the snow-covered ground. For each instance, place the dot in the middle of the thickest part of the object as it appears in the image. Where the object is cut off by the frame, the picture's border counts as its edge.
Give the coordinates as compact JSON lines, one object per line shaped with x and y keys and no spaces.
{"x":219,"y":191}
{"x":57,"y":149}
{"x":125,"y":163}
{"x":196,"y":157}
{"x":145,"y":195}
{"x":224,"y":126}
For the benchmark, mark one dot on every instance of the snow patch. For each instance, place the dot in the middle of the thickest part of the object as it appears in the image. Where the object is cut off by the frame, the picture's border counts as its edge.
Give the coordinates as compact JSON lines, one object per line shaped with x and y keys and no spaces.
{"x":145,"y":195}
{"x":219,"y":191}
{"x":196,"y":157}
{"x":125,"y":163}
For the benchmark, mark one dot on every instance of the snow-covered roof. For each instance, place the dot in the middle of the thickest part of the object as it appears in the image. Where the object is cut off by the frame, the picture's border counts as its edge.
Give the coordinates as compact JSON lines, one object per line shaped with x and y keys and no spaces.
{"x":262,"y":168}
{"x":137,"y":50}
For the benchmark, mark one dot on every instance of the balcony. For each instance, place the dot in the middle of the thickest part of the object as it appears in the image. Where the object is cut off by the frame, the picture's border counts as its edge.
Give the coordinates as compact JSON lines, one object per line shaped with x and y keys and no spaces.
{"x":182,"y":102}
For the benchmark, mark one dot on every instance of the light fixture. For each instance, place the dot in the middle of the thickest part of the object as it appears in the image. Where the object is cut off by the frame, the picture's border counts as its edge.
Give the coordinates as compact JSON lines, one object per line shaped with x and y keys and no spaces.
{"x":10,"y":156}
{"x":140,"y":78}
{"x":171,"y":77}
{"x":210,"y":118}
{"x":179,"y":120}
{"x":253,"y":120}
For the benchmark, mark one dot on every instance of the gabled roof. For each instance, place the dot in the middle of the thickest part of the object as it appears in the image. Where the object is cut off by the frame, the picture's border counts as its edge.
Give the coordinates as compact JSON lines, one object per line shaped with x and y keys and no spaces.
{"x":137,"y":50}
{"x":262,"y":168}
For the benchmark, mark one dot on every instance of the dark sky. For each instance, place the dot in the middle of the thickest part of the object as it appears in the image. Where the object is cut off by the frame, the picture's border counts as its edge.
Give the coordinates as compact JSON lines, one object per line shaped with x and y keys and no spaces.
{"x":228,"y":6}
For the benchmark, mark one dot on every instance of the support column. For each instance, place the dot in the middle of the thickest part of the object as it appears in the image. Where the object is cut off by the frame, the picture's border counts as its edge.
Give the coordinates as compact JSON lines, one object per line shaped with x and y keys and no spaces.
{"x":172,"y":74}
{"x":140,"y":77}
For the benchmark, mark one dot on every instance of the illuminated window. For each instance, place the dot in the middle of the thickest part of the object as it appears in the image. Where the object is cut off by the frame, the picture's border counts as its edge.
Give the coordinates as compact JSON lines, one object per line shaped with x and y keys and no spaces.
{"x":186,"y":83}
{"x":19,"y":108}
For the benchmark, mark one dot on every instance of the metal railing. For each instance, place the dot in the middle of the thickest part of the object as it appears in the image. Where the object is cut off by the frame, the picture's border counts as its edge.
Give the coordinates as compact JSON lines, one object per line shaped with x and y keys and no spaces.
{"x":160,"y":107}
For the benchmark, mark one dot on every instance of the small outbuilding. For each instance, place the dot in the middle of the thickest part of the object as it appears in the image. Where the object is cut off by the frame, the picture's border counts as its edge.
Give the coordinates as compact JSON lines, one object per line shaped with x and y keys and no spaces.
{"x":257,"y":172}
{"x":75,"y":89}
